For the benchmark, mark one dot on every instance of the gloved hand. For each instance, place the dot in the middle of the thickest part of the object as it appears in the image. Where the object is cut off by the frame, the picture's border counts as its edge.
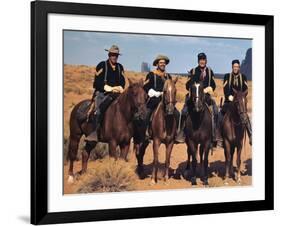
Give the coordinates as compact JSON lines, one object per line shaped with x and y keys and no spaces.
{"x":153,"y":93}
{"x":108,"y":88}
{"x":230,"y":98}
{"x":209,"y":90}
{"x":117,"y":89}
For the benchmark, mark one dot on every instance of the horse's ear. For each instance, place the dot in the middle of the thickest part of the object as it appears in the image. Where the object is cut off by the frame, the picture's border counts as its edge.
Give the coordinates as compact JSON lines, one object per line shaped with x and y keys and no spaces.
{"x":141,"y":82}
{"x":245,"y":93}
{"x":234,"y":90}
{"x":175,"y":80}
{"x":130,"y":81}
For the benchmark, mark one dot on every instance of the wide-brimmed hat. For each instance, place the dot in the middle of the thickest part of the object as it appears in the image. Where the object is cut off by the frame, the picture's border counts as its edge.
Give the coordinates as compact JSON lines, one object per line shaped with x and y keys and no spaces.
{"x":113,"y":49}
{"x":161,"y":57}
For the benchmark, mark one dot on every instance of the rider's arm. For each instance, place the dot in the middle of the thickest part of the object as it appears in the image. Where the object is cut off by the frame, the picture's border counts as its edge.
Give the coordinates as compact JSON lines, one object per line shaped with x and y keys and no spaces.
{"x":213,"y":83}
{"x":122,"y":77}
{"x":99,"y":78}
{"x":148,"y":82}
{"x":226,"y":90}
{"x":245,"y":84}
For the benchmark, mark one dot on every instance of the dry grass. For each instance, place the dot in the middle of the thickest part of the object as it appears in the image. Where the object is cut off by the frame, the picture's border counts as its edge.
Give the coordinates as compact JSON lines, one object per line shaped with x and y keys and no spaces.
{"x":109,"y":176}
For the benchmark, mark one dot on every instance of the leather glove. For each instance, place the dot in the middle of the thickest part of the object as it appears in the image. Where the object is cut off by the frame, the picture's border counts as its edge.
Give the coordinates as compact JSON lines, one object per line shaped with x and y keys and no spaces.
{"x":230,"y":98}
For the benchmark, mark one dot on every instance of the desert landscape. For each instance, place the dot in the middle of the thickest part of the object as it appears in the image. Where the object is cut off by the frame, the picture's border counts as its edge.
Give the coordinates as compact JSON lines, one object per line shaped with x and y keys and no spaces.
{"x":107,"y":175}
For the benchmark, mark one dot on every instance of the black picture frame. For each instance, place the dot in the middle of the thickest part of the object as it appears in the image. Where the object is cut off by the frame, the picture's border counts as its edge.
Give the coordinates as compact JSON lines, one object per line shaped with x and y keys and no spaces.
{"x":39,"y":112}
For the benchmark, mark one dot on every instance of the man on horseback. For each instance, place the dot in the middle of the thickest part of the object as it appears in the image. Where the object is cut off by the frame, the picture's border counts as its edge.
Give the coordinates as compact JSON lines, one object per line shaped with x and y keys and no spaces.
{"x":202,"y":73}
{"x":108,"y":84}
{"x":154,"y":84}
{"x":238,"y":81}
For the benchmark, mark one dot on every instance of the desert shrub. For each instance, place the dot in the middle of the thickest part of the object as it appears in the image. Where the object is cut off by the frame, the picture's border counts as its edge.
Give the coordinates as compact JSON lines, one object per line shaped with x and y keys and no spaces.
{"x":110,"y":175}
{"x":100,"y":151}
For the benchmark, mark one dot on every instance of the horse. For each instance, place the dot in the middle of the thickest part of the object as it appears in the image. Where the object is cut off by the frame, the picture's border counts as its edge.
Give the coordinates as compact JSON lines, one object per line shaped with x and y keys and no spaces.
{"x":233,"y":132}
{"x":198,"y":131}
{"x":162,"y":130}
{"x":116,"y":127}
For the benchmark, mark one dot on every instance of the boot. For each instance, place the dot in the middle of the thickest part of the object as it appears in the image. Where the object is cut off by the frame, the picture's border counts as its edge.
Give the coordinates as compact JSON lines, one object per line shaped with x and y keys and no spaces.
{"x":180,"y":137}
{"x":147,"y":122}
{"x":93,"y":136}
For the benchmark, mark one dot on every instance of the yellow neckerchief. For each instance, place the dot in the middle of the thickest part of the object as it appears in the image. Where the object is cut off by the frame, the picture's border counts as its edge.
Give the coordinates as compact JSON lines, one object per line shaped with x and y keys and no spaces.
{"x":159,"y":73}
{"x":113,"y":66}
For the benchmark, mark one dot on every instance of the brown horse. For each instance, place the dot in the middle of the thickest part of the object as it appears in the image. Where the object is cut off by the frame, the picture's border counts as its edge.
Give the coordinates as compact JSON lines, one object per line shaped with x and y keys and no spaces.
{"x":116,"y":128}
{"x":162,"y":130}
{"x":233,"y":132}
{"x":198,"y":130}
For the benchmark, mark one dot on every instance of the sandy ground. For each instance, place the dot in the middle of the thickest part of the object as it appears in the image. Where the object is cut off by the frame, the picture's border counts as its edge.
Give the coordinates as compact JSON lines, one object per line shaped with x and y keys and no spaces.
{"x":78,"y":86}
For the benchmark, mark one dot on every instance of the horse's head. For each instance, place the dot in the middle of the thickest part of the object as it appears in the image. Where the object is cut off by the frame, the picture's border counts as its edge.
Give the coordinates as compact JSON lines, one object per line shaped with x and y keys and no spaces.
{"x":169,"y":95}
{"x":197,"y":96}
{"x":240,"y":102}
{"x":138,"y":97}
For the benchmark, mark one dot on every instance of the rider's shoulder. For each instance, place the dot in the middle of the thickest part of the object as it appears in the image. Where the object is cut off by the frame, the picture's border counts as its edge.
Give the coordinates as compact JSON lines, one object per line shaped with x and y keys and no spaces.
{"x":226,"y":76}
{"x":121,"y":66}
{"x":101,"y":64}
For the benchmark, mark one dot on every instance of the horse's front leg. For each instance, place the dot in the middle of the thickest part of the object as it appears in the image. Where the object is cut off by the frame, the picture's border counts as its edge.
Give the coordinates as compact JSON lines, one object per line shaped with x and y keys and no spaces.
{"x":156,"y":145}
{"x":140,"y":151}
{"x":227,"y":154}
{"x":124,"y":149}
{"x":206,"y":151}
{"x":238,"y":163}
{"x":112,"y":149}
{"x":169,"y":148}
{"x":192,"y":149}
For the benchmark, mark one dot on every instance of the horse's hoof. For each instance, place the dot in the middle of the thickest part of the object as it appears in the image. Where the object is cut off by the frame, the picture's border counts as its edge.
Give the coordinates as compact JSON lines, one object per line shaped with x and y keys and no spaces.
{"x":185,"y":174}
{"x":166,"y":181}
{"x":206,"y":184}
{"x":193,"y":182}
{"x":152,"y":182}
{"x":70,"y":179}
{"x":239,"y":181}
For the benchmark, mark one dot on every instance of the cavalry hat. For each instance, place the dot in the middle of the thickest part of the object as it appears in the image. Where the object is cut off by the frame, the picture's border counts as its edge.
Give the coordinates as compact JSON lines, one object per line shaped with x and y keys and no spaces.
{"x":235,"y":62}
{"x":113,"y":49}
{"x":201,"y":56}
{"x":161,"y":57}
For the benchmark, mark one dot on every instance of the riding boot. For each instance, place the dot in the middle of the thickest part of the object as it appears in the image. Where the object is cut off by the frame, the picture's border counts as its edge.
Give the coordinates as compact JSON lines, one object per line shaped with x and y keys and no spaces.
{"x":180,"y":137}
{"x":93,"y":136}
{"x":147,"y":122}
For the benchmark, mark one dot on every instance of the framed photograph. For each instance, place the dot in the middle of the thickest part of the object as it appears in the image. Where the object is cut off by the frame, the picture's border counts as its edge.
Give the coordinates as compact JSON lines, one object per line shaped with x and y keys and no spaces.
{"x":145,"y":112}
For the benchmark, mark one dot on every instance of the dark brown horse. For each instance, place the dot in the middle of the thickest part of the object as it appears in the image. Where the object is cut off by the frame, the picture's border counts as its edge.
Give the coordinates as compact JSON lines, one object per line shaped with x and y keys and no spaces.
{"x":198,"y":130}
{"x":116,"y":128}
{"x":162,"y":130}
{"x":233,"y":132}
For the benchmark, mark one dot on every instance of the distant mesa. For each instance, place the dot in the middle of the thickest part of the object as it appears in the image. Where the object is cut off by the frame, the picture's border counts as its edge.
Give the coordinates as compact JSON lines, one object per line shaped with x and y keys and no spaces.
{"x":145,"y":67}
{"x":246,"y":65}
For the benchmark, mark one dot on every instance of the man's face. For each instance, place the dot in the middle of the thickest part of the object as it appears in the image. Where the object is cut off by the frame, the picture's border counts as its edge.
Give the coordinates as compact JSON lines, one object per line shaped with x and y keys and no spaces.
{"x":236,"y":68}
{"x":113,"y":57}
{"x":162,"y":65}
{"x":202,"y":63}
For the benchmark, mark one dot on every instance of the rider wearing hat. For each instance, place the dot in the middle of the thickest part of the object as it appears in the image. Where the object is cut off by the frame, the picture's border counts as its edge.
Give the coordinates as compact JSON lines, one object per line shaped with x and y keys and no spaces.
{"x":154,"y":84}
{"x":201,"y":73}
{"x":238,"y":81}
{"x":108,"y":84}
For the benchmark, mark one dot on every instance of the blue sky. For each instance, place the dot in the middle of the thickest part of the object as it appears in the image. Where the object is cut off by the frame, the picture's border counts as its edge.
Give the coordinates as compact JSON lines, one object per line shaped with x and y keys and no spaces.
{"x":82,"y":47}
